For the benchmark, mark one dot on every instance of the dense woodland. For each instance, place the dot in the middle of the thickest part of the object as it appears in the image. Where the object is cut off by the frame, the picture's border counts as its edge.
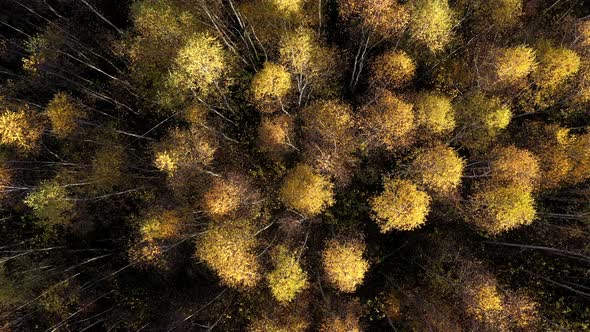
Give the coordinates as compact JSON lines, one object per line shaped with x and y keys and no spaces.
{"x":294,"y":165}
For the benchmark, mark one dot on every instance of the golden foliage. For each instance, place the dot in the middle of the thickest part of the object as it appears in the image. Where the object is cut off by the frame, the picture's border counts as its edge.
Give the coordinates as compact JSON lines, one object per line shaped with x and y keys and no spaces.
{"x":392,"y":69}
{"x":159,"y":20}
{"x":288,"y":278}
{"x":228,"y":248}
{"x":434,"y":113}
{"x":271,"y":19}
{"x":270,"y":85}
{"x":196,"y":114}
{"x":33,"y":62}
{"x":579,"y":154}
{"x":555,"y":166}
{"x":289,"y":7}
{"x":438,"y":169}
{"x":166,"y":161}
{"x":344,"y":264}
{"x":432,"y":23}
{"x":306,"y":191}
{"x":199,"y":66}
{"x":222,"y":198}
{"x":160,"y":28}
{"x":303,"y":55}
{"x":497,"y":209}
{"x":226,"y":195}
{"x":556,"y":65}
{"x":498,"y":118}
{"x":383,"y":17}
{"x":454,"y":77}
{"x":191,"y":148}
{"x":501,"y":14}
{"x":50,"y":204}
{"x":297,"y":51}
{"x":483,"y":118}
{"x":514,"y":64}
{"x":584,"y":34}
{"x":338,"y":324}
{"x":301,"y":50}
{"x":582,"y":89}
{"x":63,"y":112}
{"x":400,"y":206}
{"x":331,"y":120}
{"x":491,"y":306}
{"x":268,"y":325}
{"x":513,"y":166}
{"x":20,"y":129}
{"x":276,"y":135}
{"x":551,"y":144}
{"x":290,"y":318}
{"x":329,"y":138}
{"x":389,"y":121}
{"x":486,"y":303}
{"x":161,"y":225}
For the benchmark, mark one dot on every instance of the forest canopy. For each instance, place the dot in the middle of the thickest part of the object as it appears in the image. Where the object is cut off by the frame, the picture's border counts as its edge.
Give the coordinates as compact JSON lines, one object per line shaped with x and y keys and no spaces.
{"x":295,"y":165}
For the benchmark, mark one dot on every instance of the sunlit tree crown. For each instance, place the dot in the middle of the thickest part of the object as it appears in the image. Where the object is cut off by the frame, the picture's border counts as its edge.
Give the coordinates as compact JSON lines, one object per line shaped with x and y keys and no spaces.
{"x":392,"y":69}
{"x":497,"y":209}
{"x":434,"y":112}
{"x":50,"y":204}
{"x":512,"y":165}
{"x":270,"y":85}
{"x":389,"y":121}
{"x":401,"y":206}
{"x":438,"y":169}
{"x":20,"y":129}
{"x":432,"y":23}
{"x":228,"y":249}
{"x":306,"y":191}
{"x":344,"y":264}
{"x":514,"y":64}
{"x":288,"y":278}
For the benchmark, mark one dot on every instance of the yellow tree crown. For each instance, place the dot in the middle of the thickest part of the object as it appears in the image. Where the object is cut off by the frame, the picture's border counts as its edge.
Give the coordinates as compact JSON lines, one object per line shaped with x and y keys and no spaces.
{"x":271,"y":84}
{"x":20,"y":129}
{"x":439,"y":169}
{"x":306,"y":191}
{"x":432,"y":24}
{"x":344,"y":264}
{"x":400,"y":206}
{"x":393,"y":69}
{"x":434,"y":112}
{"x":228,"y":248}
{"x":512,"y":165}
{"x":199,"y":65}
{"x":497,"y":209}
{"x":63,"y":111}
{"x":514,"y":64}
{"x":288,"y":278}
{"x":390,"y":121}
